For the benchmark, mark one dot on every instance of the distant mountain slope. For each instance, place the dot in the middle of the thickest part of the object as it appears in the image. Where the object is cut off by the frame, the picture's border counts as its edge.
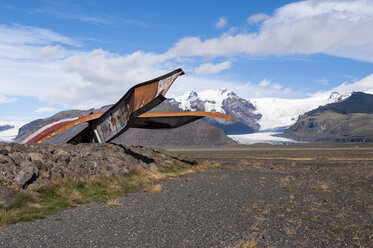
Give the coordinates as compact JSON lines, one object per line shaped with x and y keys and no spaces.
{"x":5,"y":127}
{"x":198,"y":133}
{"x":224,"y":101}
{"x":358,"y":102}
{"x":348,"y":120}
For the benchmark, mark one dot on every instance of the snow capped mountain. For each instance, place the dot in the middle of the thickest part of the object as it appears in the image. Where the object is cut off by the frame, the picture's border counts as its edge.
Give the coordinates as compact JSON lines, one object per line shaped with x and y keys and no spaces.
{"x":209,"y":100}
{"x":279,"y":113}
{"x":224,"y":101}
{"x":336,"y":96}
{"x":9,"y":130}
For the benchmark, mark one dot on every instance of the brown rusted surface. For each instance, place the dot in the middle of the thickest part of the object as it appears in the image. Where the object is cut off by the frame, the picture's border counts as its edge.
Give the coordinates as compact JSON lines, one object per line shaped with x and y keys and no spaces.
{"x":189,"y":113}
{"x":138,"y":100}
{"x":68,"y":126}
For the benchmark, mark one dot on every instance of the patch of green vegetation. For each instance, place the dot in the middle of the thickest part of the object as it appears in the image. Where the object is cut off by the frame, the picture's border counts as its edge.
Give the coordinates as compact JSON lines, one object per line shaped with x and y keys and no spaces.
{"x":167,"y":169}
{"x":291,"y":190}
{"x":67,"y":193}
{"x":334,"y":229}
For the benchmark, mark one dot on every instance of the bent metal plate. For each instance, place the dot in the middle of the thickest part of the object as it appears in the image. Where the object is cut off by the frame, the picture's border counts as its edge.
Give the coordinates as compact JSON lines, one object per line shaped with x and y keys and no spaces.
{"x":133,"y":103}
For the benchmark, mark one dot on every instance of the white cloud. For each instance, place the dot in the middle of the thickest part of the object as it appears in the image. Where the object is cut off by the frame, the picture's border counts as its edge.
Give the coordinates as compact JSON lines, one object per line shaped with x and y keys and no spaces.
{"x":365,"y":84}
{"x":5,"y":99}
{"x":45,"y":110}
{"x":96,"y":20}
{"x":27,"y":35}
{"x":209,"y":68}
{"x":276,"y":86}
{"x":257,"y":18}
{"x":264,"y":83}
{"x":111,"y":77}
{"x":221,"y":23}
{"x":339,"y":28}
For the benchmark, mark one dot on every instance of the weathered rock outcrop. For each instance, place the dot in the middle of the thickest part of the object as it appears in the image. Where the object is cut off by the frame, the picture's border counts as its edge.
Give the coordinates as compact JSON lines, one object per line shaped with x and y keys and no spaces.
{"x":34,"y":166}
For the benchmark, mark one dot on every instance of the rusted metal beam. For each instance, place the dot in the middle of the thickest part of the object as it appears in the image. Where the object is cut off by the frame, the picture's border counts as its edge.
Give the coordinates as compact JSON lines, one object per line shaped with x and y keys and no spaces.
{"x":189,"y":113}
{"x":138,"y":100}
{"x":67,"y":126}
{"x":173,"y":119}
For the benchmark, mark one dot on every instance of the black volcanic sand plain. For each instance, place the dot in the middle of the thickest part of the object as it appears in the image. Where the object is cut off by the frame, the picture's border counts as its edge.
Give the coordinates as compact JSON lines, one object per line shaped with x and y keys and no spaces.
{"x":306,"y":195}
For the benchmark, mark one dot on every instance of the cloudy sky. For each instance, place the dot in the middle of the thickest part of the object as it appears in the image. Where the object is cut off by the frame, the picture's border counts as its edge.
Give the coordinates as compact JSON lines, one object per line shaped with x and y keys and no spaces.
{"x":57,"y":55}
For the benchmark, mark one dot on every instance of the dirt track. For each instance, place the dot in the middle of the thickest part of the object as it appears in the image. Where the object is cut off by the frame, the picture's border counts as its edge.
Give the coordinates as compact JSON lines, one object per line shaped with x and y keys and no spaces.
{"x":311,"y":197}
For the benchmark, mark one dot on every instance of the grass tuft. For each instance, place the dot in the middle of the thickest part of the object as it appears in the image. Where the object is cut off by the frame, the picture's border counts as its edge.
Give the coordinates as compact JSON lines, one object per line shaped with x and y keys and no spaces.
{"x":154,"y":189}
{"x":246,"y":244}
{"x":114,"y":203}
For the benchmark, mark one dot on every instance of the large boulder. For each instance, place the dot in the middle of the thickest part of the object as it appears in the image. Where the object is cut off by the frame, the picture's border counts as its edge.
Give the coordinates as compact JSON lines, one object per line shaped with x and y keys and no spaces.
{"x":28,"y":172}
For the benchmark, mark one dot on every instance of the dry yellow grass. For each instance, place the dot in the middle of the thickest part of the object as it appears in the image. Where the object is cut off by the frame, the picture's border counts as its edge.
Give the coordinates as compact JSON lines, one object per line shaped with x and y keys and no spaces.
{"x":113,"y":203}
{"x":238,"y":168}
{"x":5,"y":216}
{"x":74,"y":196}
{"x":252,"y":229}
{"x":154,"y":189}
{"x":291,"y":232}
{"x":324,"y":188}
{"x":286,"y":179}
{"x":246,"y":244}
{"x":35,"y":205}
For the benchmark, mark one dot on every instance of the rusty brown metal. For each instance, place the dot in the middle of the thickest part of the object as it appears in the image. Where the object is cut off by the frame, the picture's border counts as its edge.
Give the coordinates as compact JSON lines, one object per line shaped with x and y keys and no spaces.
{"x":68,"y":126}
{"x":138,"y":100}
{"x":173,"y":119}
{"x":189,"y":113}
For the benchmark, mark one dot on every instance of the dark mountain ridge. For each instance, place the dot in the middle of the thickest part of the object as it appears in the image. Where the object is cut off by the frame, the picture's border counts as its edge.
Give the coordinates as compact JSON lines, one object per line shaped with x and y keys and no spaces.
{"x":350,"y":120}
{"x":358,"y":102}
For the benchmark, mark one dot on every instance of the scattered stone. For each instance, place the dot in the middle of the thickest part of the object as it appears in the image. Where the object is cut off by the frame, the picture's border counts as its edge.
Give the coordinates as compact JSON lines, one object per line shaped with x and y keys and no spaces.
{"x":7,"y":196}
{"x":26,"y":174}
{"x":35,"y":156}
{"x":39,"y":184}
{"x":152,"y":167}
{"x":17,"y":157}
{"x":4,"y":151}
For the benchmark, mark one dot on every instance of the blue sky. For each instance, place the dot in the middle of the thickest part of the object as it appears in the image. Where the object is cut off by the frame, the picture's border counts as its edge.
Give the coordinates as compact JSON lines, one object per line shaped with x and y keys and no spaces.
{"x":57,"y":55}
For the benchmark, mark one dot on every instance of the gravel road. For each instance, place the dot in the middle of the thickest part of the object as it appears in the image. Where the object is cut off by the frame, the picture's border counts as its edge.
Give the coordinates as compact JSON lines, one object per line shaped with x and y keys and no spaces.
{"x":218,"y":208}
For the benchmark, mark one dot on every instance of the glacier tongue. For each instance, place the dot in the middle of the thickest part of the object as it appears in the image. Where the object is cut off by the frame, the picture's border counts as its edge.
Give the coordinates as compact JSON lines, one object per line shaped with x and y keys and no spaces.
{"x":278,"y":112}
{"x":9,"y":134}
{"x":261,"y":137}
